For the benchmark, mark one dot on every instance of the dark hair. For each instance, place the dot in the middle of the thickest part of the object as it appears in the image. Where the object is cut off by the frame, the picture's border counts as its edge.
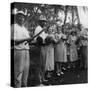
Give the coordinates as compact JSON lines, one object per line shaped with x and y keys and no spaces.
{"x":73,"y":32}
{"x":41,"y":22}
{"x":48,"y":40}
{"x":39,"y":40}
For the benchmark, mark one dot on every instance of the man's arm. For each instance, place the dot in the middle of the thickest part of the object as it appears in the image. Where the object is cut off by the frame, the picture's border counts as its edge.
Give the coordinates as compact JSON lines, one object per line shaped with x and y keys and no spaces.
{"x":17,"y":42}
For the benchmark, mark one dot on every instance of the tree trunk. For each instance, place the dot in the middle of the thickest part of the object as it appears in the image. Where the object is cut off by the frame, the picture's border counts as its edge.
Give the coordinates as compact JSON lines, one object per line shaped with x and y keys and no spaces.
{"x":65,"y":15}
{"x":77,"y":15}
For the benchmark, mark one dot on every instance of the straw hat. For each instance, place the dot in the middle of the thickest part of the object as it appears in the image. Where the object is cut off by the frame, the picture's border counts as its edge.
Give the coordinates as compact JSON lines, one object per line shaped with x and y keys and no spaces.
{"x":42,"y":18}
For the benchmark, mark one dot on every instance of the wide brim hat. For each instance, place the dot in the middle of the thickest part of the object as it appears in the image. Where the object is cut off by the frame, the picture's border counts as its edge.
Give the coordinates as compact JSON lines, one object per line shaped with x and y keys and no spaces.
{"x":21,"y":14}
{"x":73,"y":31}
{"x":42,"y":18}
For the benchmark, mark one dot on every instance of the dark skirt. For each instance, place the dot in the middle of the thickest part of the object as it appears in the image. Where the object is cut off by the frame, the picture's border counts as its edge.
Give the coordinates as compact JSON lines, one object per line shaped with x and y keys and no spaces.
{"x":84,"y":55}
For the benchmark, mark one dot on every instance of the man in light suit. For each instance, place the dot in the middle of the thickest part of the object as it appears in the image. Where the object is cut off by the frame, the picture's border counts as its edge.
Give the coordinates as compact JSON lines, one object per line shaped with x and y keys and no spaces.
{"x":20,"y":37}
{"x":41,"y":24}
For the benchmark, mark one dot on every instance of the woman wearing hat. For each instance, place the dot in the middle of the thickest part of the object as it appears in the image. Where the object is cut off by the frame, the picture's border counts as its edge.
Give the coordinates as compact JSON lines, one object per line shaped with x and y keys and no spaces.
{"x":84,"y":47}
{"x":60,"y":51}
{"x":73,"y":49}
{"x":49,"y":52}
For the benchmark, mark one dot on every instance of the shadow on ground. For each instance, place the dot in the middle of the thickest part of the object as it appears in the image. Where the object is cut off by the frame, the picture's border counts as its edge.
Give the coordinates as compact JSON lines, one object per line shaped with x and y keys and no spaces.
{"x":71,"y":76}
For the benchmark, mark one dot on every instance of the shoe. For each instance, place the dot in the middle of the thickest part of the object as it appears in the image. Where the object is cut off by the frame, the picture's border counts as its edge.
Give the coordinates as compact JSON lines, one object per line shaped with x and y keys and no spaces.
{"x":61,"y":72}
{"x":41,"y":85}
{"x":44,"y":80}
{"x":58,"y":74}
{"x":63,"y":68}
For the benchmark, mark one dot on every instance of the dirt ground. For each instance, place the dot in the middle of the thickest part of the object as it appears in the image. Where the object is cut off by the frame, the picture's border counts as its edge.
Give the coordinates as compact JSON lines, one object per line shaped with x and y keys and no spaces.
{"x":70,"y":76}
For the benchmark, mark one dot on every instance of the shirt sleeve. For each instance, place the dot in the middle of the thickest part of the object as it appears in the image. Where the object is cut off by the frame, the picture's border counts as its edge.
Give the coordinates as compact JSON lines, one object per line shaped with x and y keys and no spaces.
{"x":14,"y":32}
{"x":37,"y":30}
{"x":20,"y":33}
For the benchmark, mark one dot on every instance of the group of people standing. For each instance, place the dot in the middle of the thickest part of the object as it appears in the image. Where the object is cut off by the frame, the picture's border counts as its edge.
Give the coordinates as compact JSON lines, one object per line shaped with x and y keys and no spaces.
{"x":55,"y":48}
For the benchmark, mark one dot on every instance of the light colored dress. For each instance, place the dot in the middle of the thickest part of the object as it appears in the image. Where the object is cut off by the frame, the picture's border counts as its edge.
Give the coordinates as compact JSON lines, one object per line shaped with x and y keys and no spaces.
{"x":73,"y":49}
{"x":60,"y":50}
{"x":50,"y":56}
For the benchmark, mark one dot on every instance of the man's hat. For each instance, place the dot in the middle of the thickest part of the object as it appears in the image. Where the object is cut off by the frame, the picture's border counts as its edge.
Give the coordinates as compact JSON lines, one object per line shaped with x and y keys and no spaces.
{"x":20,"y":15}
{"x":42,"y":18}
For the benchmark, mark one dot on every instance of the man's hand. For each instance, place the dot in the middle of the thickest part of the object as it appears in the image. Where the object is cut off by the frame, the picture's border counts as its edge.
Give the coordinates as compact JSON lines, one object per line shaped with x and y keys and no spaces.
{"x":29,"y":40}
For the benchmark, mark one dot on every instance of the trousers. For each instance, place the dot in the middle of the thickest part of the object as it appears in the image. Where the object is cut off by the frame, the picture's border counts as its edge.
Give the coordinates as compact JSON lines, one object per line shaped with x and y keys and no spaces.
{"x":42,"y":62}
{"x":21,"y":67}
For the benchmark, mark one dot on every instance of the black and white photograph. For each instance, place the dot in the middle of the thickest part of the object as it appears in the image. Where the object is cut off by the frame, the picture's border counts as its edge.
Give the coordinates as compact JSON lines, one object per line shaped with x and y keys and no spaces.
{"x":49,"y":44}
